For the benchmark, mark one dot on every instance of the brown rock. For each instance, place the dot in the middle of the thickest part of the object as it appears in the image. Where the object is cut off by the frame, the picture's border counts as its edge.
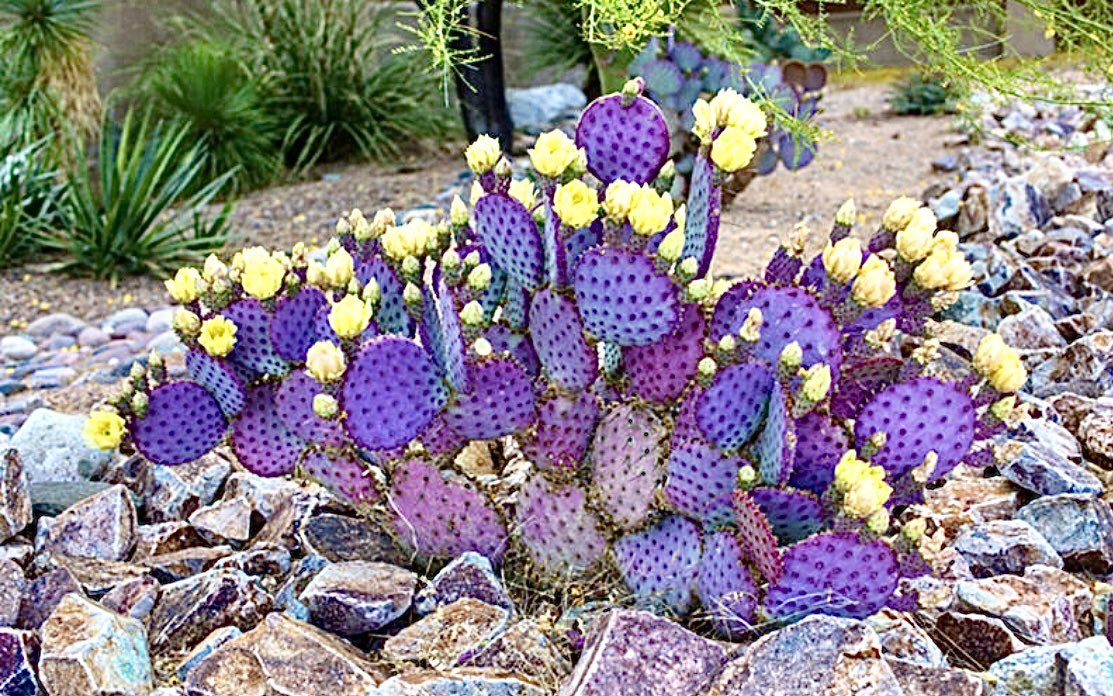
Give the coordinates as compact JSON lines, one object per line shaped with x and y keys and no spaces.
{"x":224,"y":521}
{"x":12,"y":583}
{"x":135,"y":598}
{"x":525,"y":650}
{"x":179,"y":565}
{"x":43,"y":595}
{"x":17,"y":551}
{"x":962,"y":502}
{"x":921,"y":680}
{"x":101,"y":526}
{"x":176,"y":491}
{"x":974,"y":641}
{"x":357,"y":597}
{"x":15,"y":500}
{"x":450,"y":633}
{"x":193,"y":608}
{"x":465,"y":681}
{"x":97,"y":576}
{"x":165,"y":537}
{"x":1045,"y":606}
{"x":339,"y":538}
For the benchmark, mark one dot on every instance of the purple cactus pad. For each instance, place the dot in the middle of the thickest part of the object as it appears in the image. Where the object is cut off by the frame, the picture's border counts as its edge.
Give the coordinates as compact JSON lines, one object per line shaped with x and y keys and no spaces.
{"x":701,"y":228}
{"x":756,"y":537}
{"x":501,"y":401}
{"x":558,"y":337}
{"x":782,"y":268}
{"x":563,"y":432}
{"x":509,"y":234}
{"x":219,"y":378}
{"x":660,"y":371}
{"x":343,"y":473}
{"x":625,"y":464}
{"x":700,"y":481}
{"x":503,"y":339}
{"x":729,"y":411}
{"x":560,"y":534}
{"x":725,"y":586}
{"x":261,"y":441}
{"x":660,"y":564}
{"x":581,"y":240}
{"x":439,"y":440}
{"x":390,"y":313}
{"x":441,"y":334}
{"x":820,"y":443}
{"x":391,"y":391}
{"x":253,"y":350}
{"x":919,"y":416}
{"x":294,"y":402}
{"x":293,"y":327}
{"x":623,"y":299}
{"x":860,"y":381}
{"x":623,"y":141}
{"x":835,"y":573}
{"x":183,"y":422}
{"x":793,"y":514}
{"x":775,"y":448}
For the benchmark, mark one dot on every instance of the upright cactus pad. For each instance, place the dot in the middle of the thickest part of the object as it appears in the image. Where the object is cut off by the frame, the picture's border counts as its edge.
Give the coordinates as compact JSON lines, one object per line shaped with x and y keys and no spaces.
{"x":219,"y":378}
{"x":509,"y":234}
{"x":860,"y":381}
{"x":920,"y":416}
{"x":834,"y":573}
{"x":701,"y":229}
{"x":261,"y":441}
{"x":501,"y":401}
{"x":623,"y":299}
{"x":558,"y":339}
{"x":437,"y":516}
{"x":518,"y":346}
{"x":391,"y":391}
{"x":253,"y":350}
{"x":661,"y":563}
{"x":390,"y":313}
{"x":793,"y":515}
{"x":343,"y":473}
{"x":292,"y":328}
{"x":628,"y":141}
{"x":560,"y":534}
{"x":700,"y":480}
{"x":183,"y":422}
{"x":661,"y":371}
{"x":820,"y":443}
{"x":294,"y":401}
{"x":755,"y":535}
{"x":626,"y":463}
{"x":725,"y":586}
{"x":790,"y":314}
{"x":441,"y":334}
{"x":563,"y":433}
{"x":730,"y":410}
{"x":775,"y":448}
{"x":581,"y":240}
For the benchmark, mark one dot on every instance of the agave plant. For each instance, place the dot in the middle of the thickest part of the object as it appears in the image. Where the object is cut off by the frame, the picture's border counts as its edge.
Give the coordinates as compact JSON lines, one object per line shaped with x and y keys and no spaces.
{"x":30,"y":193}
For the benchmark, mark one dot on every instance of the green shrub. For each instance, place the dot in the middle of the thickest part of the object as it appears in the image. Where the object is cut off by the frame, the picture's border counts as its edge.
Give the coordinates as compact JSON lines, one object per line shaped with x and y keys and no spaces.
{"x":923,"y":94}
{"x":130,"y":212}
{"x":556,"y":41}
{"x":29,"y":200}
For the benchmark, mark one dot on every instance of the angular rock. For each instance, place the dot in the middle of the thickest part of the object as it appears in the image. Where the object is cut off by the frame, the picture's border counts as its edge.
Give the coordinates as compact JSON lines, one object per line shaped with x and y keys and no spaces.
{"x":1042,"y":470}
{"x":1045,"y":606}
{"x":52,"y":498}
{"x":184,"y":564}
{"x":339,"y":538}
{"x":525,"y":650}
{"x":973,"y":640}
{"x":53,"y":448}
{"x":135,"y":598}
{"x":1082,"y":367}
{"x":165,"y":537}
{"x":43,"y":595}
{"x":12,"y":583}
{"x":449,"y":635}
{"x":469,"y":575}
{"x":1004,"y":546}
{"x":261,"y":560}
{"x":15,"y":498}
{"x":19,"y":654}
{"x":1089,"y":670}
{"x":1031,"y":329}
{"x":193,"y":608}
{"x":1078,"y":527}
{"x":632,"y":653}
{"x":226,"y":520}
{"x":96,"y":576}
{"x":90,"y":651}
{"x":903,"y":640}
{"x":921,"y":680}
{"x":17,"y":551}
{"x":205,"y":648}
{"x":465,"y":681}
{"x":357,"y":597}
{"x":959,"y":503}
{"x":100,"y":526}
{"x":176,"y":492}
{"x":264,"y":495}
{"x":1096,"y":434}
{"x":287,"y":596}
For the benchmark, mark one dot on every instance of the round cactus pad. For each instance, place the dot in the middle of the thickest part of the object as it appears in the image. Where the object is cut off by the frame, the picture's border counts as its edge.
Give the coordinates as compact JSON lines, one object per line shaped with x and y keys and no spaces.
{"x":919,"y":416}
{"x":835,"y":573}
{"x":564,"y":427}
{"x":440,"y":440}
{"x":219,"y":378}
{"x":729,"y":411}
{"x":662,"y":78}
{"x":390,"y":313}
{"x":580,"y":240}
{"x":253,"y":350}
{"x":559,"y":341}
{"x":391,"y":391}
{"x":438,"y":517}
{"x":560,"y":534}
{"x":701,"y":229}
{"x":294,"y":402}
{"x":293,"y":326}
{"x":623,"y":141}
{"x":860,"y":381}
{"x":661,"y":371}
{"x":725,"y":586}
{"x":660,"y":564}
{"x":793,"y":514}
{"x":775,"y":448}
{"x":820,"y":444}
{"x":343,"y":473}
{"x":626,"y":463}
{"x":509,"y":234}
{"x":261,"y":441}
{"x":183,"y":422}
{"x":700,"y":480}
{"x":501,"y":401}
{"x":623,"y":299}
{"x":756,"y":537}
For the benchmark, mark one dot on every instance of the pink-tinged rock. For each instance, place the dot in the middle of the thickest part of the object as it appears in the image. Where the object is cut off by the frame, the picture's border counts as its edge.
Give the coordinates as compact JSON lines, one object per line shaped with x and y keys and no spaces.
{"x":176,"y":492}
{"x":193,"y":608}
{"x":921,"y":680}
{"x":90,"y":651}
{"x":469,"y":575}
{"x":205,"y":648}
{"x":43,"y":595}
{"x":819,"y":655}
{"x":12,"y":583}
{"x":265,"y":495}
{"x":100,"y":526}
{"x":225,"y":521}
{"x":15,"y":500}
{"x":464,"y":681}
{"x":339,"y":538}
{"x":449,"y":635}
{"x":261,"y":560}
{"x":135,"y":598}
{"x":1045,"y":606}
{"x":961,"y":502}
{"x":525,"y":650}
{"x":357,"y":597}
{"x":973,"y":640}
{"x":284,"y":656}
{"x":19,"y":653}
{"x":633,"y":653}
{"x":903,"y":640}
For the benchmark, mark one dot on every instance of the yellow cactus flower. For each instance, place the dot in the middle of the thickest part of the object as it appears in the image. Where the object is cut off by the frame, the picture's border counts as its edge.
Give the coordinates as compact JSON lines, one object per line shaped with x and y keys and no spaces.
{"x":651,"y":212}
{"x":1000,"y":364}
{"x":875,"y":284}
{"x":866,"y":498}
{"x":458,"y":212}
{"x":621,"y":197}
{"x":104,"y":430}
{"x":476,"y":193}
{"x":553,"y":153}
{"x":483,"y":154}
{"x":576,"y":204}
{"x":186,"y":322}
{"x":847,"y":213}
{"x":704,"y":120}
{"x":915,"y":241}
{"x":325,"y":405}
{"x":340,"y":268}
{"x":218,"y":336}
{"x":410,"y":239}
{"x":262,"y":273}
{"x":842,"y":259}
{"x":732,"y":110}
{"x":213,"y":269}
{"x":899,"y":213}
{"x":671,"y":246}
{"x":325,"y":362}
{"x":185,"y":286}
{"x":944,"y":269}
{"x":523,"y":191}
{"x":817,"y":382}
{"x":945,"y":240}
{"x":349,"y":317}
{"x":733,"y":149}
{"x":315,"y":274}
{"x":850,"y":470}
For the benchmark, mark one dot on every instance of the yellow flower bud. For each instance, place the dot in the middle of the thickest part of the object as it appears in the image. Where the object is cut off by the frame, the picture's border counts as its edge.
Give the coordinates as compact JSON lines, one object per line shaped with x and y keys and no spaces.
{"x":214,"y":268}
{"x":733,"y":149}
{"x":651,"y":212}
{"x":371,"y":293}
{"x":732,"y":110}
{"x":914,"y":529}
{"x":668,"y":170}
{"x":458,"y":212}
{"x":576,"y":204}
{"x":340,"y":268}
{"x":751,"y":328}
{"x":792,"y":355}
{"x":411,"y":295}
{"x":472,"y":314}
{"x":103,"y":430}
{"x":747,"y":476}
{"x":325,"y":406}
{"x":842,"y":259}
{"x":185,"y":286}
{"x":410,"y":239}
{"x":621,"y":196}
{"x":875,"y":284}
{"x":523,"y":191}
{"x":817,"y":382}
{"x":262,"y":273}
{"x":688,"y":266}
{"x":878,"y":522}
{"x":704,"y":120}
{"x":186,"y":322}
{"x":325,"y":361}
{"x":945,"y":240}
{"x":553,"y":153}
{"x":671,"y":246}
{"x":1009,"y":373}
{"x":218,"y":336}
{"x":699,"y":288}
{"x":1003,"y":407}
{"x":480,"y":277}
{"x":944,"y":269}
{"x":914,"y":242}
{"x":847,"y":213}
{"x":383,"y":220}
{"x":899,"y":213}
{"x":349,"y":317}
{"x":707,"y":367}
{"x":727,"y":344}
{"x":482,"y":347}
{"x":483,"y":154}
{"x":315,"y":274}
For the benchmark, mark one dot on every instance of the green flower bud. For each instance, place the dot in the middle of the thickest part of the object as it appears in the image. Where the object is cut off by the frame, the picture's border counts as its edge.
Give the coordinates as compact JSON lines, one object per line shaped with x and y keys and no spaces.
{"x":878,"y":522}
{"x":914,"y":529}
{"x":791,"y":356}
{"x":411,"y":295}
{"x":482,"y":347}
{"x":668,"y":170}
{"x":479,"y":279}
{"x":751,"y":328}
{"x":371,"y":292}
{"x":699,"y":288}
{"x":727,"y":344}
{"x":747,"y":476}
{"x":472,"y":259}
{"x":847,"y":213}
{"x":671,"y":246}
{"x":688,"y":268}
{"x":450,"y":260}
{"x":333,"y":246}
{"x":707,"y":367}
{"x":325,"y":406}
{"x":139,"y":404}
{"x":411,"y":266}
{"x":472,"y":314}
